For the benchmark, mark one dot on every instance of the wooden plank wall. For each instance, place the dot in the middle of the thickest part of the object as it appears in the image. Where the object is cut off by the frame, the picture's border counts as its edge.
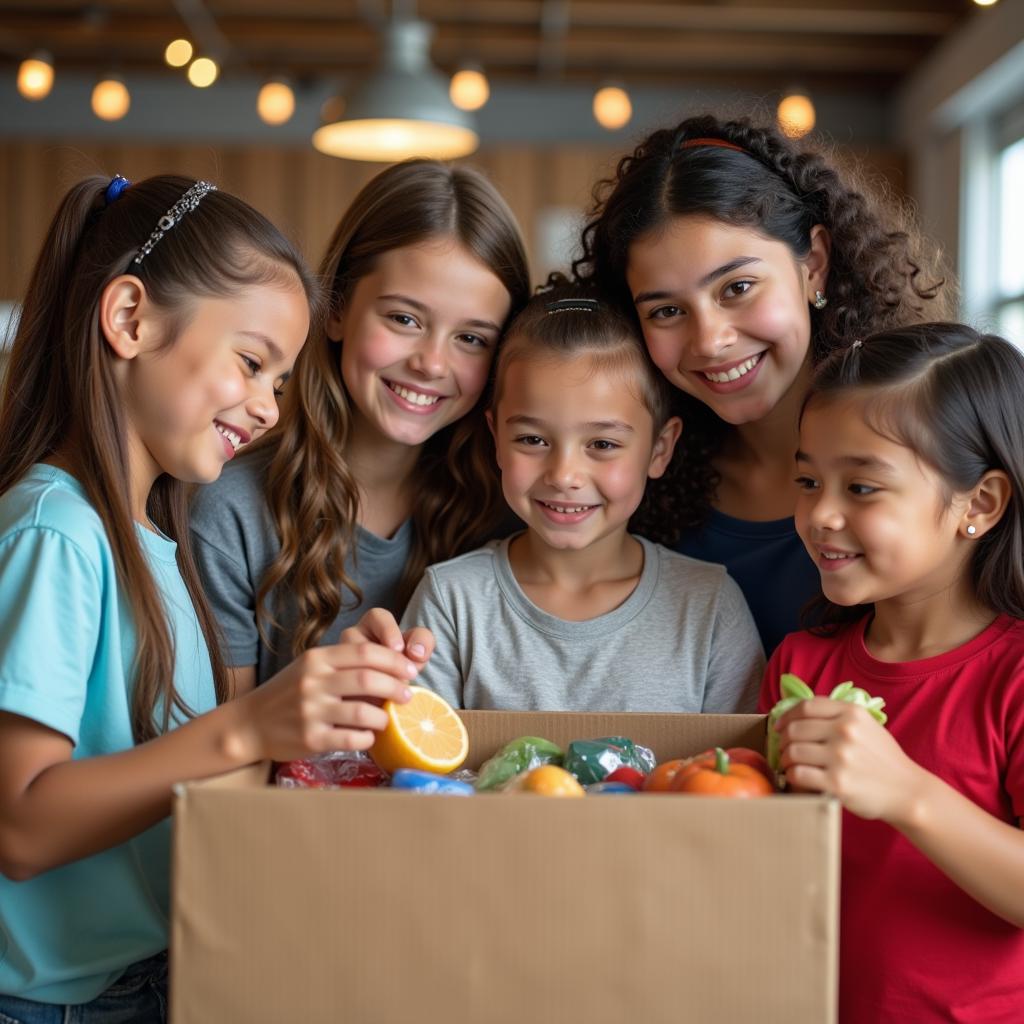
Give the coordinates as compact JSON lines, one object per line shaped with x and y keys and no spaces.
{"x":298,"y":188}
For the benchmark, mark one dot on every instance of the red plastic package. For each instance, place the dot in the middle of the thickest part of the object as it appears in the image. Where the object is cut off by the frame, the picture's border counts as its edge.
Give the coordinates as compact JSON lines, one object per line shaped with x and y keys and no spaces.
{"x":331,"y":771}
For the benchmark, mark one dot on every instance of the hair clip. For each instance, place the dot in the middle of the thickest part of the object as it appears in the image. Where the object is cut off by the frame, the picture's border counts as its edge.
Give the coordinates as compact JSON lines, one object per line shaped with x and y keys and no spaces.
{"x":118,"y":183}
{"x":856,"y":344}
{"x":721,"y":143}
{"x":186,"y":204}
{"x":573,"y":305}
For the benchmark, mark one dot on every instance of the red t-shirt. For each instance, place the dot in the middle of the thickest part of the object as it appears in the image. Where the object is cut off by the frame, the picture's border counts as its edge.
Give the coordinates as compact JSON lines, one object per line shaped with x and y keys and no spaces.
{"x":914,"y":947}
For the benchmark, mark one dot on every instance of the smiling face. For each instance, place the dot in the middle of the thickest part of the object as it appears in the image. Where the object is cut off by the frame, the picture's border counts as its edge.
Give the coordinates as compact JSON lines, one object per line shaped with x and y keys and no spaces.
{"x":575,"y":445}
{"x":418,"y":336}
{"x":874,"y":517}
{"x":192,"y":403}
{"x":724,"y":311}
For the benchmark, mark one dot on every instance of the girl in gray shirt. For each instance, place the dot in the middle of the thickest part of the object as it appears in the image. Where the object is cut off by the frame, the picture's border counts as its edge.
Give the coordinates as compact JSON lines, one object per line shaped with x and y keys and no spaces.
{"x":380,"y":465}
{"x":576,"y":613}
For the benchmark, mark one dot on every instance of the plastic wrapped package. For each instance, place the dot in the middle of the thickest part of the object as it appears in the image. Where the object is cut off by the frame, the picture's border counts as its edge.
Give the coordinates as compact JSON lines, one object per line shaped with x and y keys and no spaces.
{"x":331,"y":771}
{"x":414,"y":781}
{"x":594,"y":760}
{"x":518,"y":756}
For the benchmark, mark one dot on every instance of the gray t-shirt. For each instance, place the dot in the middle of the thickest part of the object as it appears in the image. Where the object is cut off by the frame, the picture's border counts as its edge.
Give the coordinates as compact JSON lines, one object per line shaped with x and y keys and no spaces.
{"x":235,"y":541}
{"x":683,"y":641}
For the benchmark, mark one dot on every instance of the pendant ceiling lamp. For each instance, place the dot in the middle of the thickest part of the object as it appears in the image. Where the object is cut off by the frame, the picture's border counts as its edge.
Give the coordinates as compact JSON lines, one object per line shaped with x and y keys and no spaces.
{"x":403,"y":109}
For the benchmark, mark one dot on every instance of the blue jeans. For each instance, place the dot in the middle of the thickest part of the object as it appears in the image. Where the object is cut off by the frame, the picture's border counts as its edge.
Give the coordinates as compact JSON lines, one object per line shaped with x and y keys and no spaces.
{"x":139,"y":996}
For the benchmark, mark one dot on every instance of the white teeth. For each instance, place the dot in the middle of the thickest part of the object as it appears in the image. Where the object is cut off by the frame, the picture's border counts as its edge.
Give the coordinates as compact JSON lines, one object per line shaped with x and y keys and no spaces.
{"x":566,"y":509}
{"x":235,"y":439}
{"x":414,"y":397}
{"x":735,"y":373}
{"x":836,"y":554}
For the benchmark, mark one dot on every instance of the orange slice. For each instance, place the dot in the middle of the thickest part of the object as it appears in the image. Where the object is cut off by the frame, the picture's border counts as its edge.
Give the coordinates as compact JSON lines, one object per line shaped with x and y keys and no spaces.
{"x":425,"y":734}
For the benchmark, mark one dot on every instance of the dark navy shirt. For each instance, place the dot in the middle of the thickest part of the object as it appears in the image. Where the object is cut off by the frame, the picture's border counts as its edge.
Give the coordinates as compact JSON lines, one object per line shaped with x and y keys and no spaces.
{"x":768,"y":561}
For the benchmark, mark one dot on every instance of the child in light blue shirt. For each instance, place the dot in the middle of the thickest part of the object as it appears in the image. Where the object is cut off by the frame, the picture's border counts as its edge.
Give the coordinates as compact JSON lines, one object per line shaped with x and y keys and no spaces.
{"x":159,"y":321}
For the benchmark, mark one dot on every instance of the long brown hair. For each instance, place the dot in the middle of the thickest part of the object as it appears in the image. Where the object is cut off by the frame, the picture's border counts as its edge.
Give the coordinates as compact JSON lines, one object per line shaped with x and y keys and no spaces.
{"x":60,"y":392}
{"x":312,"y":493}
{"x":881,"y":273}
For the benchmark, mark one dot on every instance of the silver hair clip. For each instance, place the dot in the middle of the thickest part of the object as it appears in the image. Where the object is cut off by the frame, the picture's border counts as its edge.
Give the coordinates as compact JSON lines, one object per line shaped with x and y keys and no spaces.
{"x":573,"y":305}
{"x":186,"y":204}
{"x":857,"y":343}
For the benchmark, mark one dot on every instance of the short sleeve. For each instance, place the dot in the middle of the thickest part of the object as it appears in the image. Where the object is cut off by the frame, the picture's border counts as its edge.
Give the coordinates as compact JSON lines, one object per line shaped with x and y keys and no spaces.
{"x":443,"y":673}
{"x":1014,"y":739}
{"x":771,"y":691}
{"x":218,"y":545}
{"x":51,"y":607}
{"x":737,"y":659}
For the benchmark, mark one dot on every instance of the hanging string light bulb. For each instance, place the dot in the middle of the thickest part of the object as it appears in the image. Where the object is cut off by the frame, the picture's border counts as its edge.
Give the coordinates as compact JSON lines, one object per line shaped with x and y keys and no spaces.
{"x":178,"y":53}
{"x":613,"y":108}
{"x":276,"y":102}
{"x":796,"y":114}
{"x":469,"y":88}
{"x":35,"y":76}
{"x":110,"y":99}
{"x":203,"y":72}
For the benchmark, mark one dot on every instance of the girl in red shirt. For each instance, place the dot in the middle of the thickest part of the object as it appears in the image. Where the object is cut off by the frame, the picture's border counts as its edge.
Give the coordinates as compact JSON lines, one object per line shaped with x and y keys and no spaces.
{"x":911,"y":476}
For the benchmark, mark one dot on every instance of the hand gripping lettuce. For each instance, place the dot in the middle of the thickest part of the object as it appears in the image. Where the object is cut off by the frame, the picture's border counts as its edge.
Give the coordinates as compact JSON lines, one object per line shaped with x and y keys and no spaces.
{"x":794,"y":690}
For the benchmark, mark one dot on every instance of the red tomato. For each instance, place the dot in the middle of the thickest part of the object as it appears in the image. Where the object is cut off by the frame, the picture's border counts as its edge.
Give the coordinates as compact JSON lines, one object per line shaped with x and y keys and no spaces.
{"x":660,"y":780}
{"x":630,"y":776}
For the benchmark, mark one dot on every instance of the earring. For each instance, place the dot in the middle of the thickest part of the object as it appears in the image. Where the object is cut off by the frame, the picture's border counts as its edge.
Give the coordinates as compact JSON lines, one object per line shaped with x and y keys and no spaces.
{"x":971,"y":529}
{"x":820,"y":301}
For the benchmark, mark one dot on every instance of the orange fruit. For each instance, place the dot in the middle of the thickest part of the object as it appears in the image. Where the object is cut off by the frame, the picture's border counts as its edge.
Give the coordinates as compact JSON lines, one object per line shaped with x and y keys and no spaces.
{"x":660,"y":780}
{"x":550,"y":780}
{"x":425,"y":734}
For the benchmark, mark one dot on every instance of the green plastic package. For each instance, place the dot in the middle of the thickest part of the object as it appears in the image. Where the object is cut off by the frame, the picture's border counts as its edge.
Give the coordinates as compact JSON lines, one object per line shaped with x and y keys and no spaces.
{"x":592,"y":760}
{"x":518,"y":755}
{"x":794,"y":690}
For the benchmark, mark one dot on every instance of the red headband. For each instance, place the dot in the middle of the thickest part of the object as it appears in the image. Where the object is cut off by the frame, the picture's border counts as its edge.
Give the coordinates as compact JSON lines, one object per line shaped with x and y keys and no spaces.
{"x":693,"y":143}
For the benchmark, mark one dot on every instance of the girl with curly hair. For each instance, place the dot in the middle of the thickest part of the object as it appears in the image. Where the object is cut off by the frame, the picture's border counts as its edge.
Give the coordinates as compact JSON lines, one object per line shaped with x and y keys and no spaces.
{"x":382,"y":464}
{"x":746,"y":260}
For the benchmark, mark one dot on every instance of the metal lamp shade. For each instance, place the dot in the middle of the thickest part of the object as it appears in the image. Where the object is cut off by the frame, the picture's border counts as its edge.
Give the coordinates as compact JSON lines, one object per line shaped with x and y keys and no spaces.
{"x":402,"y":110}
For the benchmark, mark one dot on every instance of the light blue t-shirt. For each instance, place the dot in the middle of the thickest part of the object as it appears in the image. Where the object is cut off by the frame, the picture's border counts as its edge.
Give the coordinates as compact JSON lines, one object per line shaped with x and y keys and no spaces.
{"x":67,"y":642}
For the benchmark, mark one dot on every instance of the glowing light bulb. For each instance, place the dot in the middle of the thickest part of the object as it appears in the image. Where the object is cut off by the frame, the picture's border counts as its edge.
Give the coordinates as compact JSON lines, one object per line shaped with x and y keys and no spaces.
{"x":469,"y":89}
{"x":275,"y":103}
{"x":796,"y":115}
{"x":110,"y":99}
{"x":203,"y":72}
{"x":35,"y":76}
{"x":612,"y":107}
{"x":178,"y":53}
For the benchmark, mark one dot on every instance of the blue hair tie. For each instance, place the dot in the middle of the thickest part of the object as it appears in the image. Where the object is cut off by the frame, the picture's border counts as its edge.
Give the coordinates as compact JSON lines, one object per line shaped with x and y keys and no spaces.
{"x":118,"y":183}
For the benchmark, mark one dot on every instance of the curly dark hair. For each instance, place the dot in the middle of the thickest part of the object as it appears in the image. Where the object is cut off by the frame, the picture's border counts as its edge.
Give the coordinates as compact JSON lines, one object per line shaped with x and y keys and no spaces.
{"x":881,"y":273}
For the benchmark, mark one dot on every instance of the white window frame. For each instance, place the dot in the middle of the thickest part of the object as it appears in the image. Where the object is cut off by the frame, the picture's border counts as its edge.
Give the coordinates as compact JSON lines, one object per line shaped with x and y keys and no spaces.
{"x":984,"y":140}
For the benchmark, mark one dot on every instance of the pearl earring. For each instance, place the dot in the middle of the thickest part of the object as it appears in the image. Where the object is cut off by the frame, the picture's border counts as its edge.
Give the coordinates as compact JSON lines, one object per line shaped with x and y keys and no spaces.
{"x":971,"y":529}
{"x":820,"y":301}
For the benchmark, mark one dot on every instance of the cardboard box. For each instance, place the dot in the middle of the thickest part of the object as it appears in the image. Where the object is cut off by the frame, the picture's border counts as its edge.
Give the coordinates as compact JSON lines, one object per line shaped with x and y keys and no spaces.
{"x":379,"y":907}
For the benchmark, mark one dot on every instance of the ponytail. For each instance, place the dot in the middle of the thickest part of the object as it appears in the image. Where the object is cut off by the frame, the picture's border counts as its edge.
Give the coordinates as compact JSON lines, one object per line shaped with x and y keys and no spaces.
{"x":61,"y":397}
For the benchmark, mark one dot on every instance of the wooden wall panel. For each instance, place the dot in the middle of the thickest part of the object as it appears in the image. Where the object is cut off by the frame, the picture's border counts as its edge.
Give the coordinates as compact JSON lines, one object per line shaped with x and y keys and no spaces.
{"x":301,"y":190}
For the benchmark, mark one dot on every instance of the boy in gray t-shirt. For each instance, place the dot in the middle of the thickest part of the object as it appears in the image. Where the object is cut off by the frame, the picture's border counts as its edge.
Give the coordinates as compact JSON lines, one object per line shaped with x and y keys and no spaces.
{"x":576,"y":613}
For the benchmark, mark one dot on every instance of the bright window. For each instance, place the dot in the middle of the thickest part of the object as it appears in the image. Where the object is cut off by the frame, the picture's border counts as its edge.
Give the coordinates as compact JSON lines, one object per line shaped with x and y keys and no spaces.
{"x":1009,"y":298}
